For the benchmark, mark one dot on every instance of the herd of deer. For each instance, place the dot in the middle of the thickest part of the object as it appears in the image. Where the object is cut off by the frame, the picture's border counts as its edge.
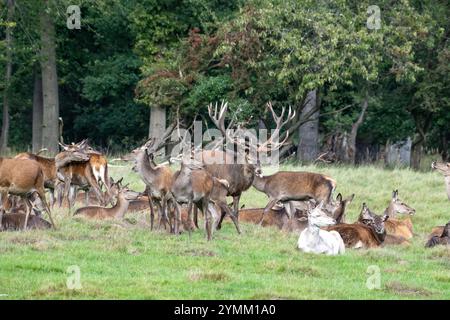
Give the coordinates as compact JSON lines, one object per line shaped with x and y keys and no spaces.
{"x":300,"y":202}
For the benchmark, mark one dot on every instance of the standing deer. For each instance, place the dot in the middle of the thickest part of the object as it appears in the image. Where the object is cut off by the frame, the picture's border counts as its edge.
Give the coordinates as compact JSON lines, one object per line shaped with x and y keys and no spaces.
{"x":157,"y":178}
{"x":74,"y":170}
{"x":22,"y":177}
{"x":315,"y":240}
{"x":399,"y":227}
{"x":48,"y":169}
{"x":443,"y":168}
{"x":222,"y":164}
{"x":285,"y":186}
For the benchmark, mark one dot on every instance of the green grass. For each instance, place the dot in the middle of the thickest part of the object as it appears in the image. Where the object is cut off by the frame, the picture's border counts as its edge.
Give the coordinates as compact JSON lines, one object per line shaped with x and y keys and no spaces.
{"x":122,"y":262}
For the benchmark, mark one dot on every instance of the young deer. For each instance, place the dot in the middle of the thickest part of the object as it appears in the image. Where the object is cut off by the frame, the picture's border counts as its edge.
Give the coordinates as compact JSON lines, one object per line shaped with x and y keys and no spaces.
{"x":368,"y":232}
{"x":396,"y":227}
{"x":118,"y":211}
{"x":157,"y":178}
{"x":22,"y":178}
{"x":315,"y":240}
{"x":16,"y":221}
{"x":443,"y":168}
{"x":193,"y":185}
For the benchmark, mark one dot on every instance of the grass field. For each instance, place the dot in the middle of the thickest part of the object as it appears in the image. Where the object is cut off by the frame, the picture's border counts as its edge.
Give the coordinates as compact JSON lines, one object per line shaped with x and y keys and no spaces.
{"x":119,"y":261}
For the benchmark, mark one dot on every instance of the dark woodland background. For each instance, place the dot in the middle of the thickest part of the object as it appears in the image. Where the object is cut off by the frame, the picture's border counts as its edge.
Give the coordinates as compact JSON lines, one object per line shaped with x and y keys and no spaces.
{"x":121,"y":77}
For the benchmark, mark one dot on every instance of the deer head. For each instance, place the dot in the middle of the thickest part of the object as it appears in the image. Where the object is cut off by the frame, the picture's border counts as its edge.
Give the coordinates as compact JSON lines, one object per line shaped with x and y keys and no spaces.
{"x":318,"y":217}
{"x":373,"y":220}
{"x":398,"y":206}
{"x":443,"y":168}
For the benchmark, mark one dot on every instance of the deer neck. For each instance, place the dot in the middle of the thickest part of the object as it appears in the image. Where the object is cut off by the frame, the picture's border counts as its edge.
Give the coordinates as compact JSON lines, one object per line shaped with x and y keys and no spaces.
{"x":144,"y":166}
{"x":313,"y":229}
{"x":121,"y":207}
{"x":390,"y":210}
{"x":259,"y":183}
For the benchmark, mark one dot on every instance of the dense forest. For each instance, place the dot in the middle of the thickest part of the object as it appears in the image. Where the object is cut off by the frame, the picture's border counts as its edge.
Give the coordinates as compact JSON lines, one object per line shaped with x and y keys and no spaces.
{"x":360,"y":76}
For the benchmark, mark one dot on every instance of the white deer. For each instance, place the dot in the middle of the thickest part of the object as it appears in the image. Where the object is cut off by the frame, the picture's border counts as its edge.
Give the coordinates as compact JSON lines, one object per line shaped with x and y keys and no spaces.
{"x":315,"y":240}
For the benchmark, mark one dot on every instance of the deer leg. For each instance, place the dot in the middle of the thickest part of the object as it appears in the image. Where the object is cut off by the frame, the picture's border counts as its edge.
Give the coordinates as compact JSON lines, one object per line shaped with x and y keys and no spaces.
{"x":4,"y":198}
{"x":93,"y":183}
{"x":236,"y":200}
{"x":67,"y":183}
{"x":46,"y":207}
{"x":29,"y":208}
{"x":152,"y":213}
{"x":207,"y":213}
{"x":267,"y":209}
{"x":226,"y":210}
{"x":164,"y":210}
{"x":177,"y":217}
{"x":196,"y":217}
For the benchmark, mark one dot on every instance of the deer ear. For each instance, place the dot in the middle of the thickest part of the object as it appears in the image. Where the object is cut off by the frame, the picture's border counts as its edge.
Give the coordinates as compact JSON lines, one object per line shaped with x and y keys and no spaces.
{"x":385,"y":217}
{"x":395,"y":194}
{"x":350,"y":199}
{"x":339,"y":197}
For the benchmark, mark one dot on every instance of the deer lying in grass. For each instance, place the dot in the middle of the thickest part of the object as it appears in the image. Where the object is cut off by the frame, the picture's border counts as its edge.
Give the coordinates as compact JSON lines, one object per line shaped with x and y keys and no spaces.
{"x":443,"y":168}
{"x":22,"y":178}
{"x":442,"y":239}
{"x":118,"y":211}
{"x":399,"y":227}
{"x":315,"y":240}
{"x":368,"y":232}
{"x":16,"y":221}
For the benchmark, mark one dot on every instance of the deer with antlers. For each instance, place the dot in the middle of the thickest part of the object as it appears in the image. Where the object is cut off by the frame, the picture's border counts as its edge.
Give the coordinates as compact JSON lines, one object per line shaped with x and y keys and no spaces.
{"x":222,"y":164}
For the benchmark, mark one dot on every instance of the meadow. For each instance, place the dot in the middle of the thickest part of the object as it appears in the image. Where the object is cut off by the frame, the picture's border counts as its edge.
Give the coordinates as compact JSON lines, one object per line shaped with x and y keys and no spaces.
{"x":125,"y":260}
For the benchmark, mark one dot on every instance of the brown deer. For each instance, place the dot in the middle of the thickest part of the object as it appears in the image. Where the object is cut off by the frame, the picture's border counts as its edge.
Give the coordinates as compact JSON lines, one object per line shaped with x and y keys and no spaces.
{"x":399,"y":227}
{"x":193,"y":185}
{"x":222,"y":164}
{"x":442,"y":239}
{"x":157,"y":178}
{"x":22,"y":178}
{"x":368,"y":232}
{"x":118,"y":211}
{"x":443,"y":168}
{"x":74,"y":170}
{"x":48,"y":169}
{"x":285,"y":186}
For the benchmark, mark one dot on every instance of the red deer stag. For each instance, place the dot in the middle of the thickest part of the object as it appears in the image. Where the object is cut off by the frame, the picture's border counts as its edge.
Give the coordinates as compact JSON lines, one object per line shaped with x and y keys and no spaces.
{"x":222,"y":164}
{"x":22,"y":177}
{"x":443,"y":168}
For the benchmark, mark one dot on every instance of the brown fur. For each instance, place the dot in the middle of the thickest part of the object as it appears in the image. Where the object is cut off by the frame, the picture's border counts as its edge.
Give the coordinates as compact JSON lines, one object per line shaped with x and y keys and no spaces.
{"x":400,"y":227}
{"x":275,"y":218}
{"x":22,"y":177}
{"x":436,"y":231}
{"x":47,"y":165}
{"x":442,"y":239}
{"x":443,"y":168}
{"x":357,"y":234}
{"x":116,"y":212}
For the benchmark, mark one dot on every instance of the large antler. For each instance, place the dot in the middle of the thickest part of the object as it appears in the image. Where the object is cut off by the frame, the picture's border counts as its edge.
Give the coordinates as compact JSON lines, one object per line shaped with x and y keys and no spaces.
{"x":272,"y":142}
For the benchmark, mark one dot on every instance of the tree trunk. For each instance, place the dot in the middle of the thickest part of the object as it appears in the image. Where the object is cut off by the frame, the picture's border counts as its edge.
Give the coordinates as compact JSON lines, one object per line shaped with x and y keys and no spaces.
{"x":308,"y":146}
{"x":157,"y":122}
{"x":37,"y":112}
{"x":50,"y":132}
{"x":351,"y":149}
{"x":5,"y":119}
{"x":416,"y":151}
